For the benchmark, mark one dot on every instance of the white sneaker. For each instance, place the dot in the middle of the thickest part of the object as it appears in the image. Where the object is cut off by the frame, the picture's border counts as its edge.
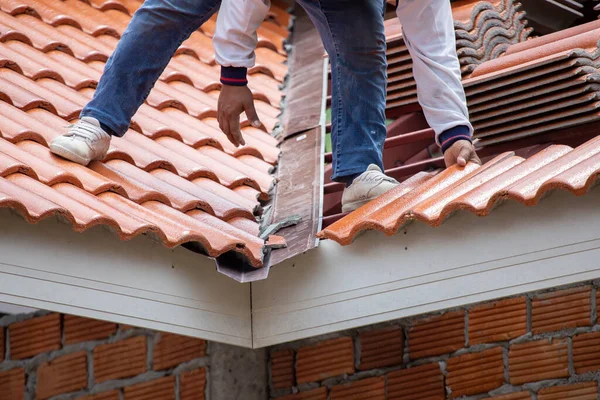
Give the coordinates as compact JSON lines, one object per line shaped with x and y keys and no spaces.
{"x":85,"y":141}
{"x":369,"y":185}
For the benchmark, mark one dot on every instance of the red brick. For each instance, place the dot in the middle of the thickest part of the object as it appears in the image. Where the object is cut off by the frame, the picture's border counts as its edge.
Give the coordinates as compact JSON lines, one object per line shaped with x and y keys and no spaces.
{"x":586,"y":352}
{"x":119,"y":360}
{"x":2,"y":342}
{"x":62,"y":375}
{"x":324,"y":360}
{"x":513,"y":396}
{"x":437,"y":335}
{"x":497,"y":322}
{"x":563,"y":309}
{"x":315,"y":394}
{"x":578,"y":391}
{"x":381,"y":348}
{"x":34,"y":336}
{"x":282,"y":369}
{"x":172,"y":350}
{"x":538,"y":361}
{"x":158,"y":389}
{"x":475,"y":373}
{"x":366,"y":389}
{"x":418,"y":383}
{"x":192,"y":385}
{"x":113,"y":395}
{"x":78,"y":329}
{"x":12,"y":384}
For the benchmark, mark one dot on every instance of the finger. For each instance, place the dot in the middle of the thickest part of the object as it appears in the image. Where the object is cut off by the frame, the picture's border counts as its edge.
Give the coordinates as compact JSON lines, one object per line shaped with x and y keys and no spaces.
{"x":463,"y":156}
{"x":448,"y":159}
{"x":251,"y":113}
{"x":234,"y":128}
{"x":475,"y":158}
{"x":226,"y":130}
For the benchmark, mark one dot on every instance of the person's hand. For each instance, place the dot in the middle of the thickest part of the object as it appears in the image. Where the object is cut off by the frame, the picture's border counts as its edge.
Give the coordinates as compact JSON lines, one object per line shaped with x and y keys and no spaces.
{"x":461,"y":152}
{"x":233,"y":101}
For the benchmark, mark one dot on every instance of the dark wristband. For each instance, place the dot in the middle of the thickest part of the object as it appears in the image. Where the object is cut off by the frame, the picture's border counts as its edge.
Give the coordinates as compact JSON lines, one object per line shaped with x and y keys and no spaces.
{"x":453,"y":135}
{"x":234,"y":76}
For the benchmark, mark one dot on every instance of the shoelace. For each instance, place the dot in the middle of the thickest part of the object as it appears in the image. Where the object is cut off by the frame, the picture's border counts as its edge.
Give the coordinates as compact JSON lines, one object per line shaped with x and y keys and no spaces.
{"x":375,"y":176}
{"x":92,"y":133}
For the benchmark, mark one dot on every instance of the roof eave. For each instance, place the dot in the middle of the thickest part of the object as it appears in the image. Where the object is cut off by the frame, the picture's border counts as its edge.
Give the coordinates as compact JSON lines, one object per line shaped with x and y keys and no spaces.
{"x":515,"y":249}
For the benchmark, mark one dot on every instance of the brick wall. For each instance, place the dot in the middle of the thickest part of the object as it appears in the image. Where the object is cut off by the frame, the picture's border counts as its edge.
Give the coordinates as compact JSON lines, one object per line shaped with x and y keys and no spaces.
{"x":539,"y":346}
{"x":63,"y":357}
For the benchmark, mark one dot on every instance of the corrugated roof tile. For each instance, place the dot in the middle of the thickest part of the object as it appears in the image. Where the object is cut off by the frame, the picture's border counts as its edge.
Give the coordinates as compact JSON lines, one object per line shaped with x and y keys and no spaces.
{"x":562,"y":309}
{"x":475,"y":189}
{"x":475,"y":373}
{"x":499,"y":321}
{"x":52,"y":57}
{"x":324,"y":360}
{"x":537,"y":361}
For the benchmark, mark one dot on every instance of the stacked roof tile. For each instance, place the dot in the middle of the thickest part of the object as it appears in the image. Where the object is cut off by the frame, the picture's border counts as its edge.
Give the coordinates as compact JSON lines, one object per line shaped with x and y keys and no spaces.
{"x":546,"y":83}
{"x":484,"y":31}
{"x":475,"y":188}
{"x":174,"y":175}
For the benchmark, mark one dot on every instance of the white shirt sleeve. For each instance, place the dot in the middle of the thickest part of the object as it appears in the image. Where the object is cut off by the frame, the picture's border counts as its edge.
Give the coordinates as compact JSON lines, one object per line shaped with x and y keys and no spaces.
{"x":235,"y":37}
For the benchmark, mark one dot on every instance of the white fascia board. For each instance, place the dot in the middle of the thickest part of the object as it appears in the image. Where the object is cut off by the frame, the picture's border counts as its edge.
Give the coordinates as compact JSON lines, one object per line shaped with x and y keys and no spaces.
{"x":139,"y":282}
{"x":468,"y":259}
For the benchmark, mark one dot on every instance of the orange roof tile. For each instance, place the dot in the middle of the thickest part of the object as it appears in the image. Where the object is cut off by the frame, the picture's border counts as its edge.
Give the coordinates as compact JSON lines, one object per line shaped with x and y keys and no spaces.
{"x":174,"y":174}
{"x":476,"y":189}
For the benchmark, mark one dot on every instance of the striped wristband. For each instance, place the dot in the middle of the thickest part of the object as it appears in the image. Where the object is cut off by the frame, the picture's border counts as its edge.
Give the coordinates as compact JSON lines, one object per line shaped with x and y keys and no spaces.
{"x":234,"y":76}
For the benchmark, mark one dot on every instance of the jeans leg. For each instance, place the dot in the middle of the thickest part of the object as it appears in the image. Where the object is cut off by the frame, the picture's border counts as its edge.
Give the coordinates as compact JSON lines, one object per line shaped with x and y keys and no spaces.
{"x":428,"y":31}
{"x":155,"y":32}
{"x":353,"y":35}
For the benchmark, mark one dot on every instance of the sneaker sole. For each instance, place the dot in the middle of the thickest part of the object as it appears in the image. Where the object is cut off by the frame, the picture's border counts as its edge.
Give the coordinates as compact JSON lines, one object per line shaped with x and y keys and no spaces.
{"x":69,"y":155}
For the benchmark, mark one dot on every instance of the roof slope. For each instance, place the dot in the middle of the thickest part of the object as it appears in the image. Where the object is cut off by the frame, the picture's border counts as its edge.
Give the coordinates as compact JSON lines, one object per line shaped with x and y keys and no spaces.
{"x":475,"y":188}
{"x":174,"y":174}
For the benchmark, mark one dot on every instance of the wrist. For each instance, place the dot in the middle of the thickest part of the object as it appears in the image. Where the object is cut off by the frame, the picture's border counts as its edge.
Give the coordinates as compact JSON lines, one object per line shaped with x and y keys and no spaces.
{"x":234,"y":76}
{"x":453,"y":135}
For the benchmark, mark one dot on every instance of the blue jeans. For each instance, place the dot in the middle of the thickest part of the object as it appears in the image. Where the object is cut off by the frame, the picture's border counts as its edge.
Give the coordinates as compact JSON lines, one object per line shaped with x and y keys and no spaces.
{"x":352,"y":32}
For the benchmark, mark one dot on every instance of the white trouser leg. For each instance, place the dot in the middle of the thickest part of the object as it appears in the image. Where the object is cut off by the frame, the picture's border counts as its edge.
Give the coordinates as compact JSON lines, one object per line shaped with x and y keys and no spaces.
{"x":428,"y":31}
